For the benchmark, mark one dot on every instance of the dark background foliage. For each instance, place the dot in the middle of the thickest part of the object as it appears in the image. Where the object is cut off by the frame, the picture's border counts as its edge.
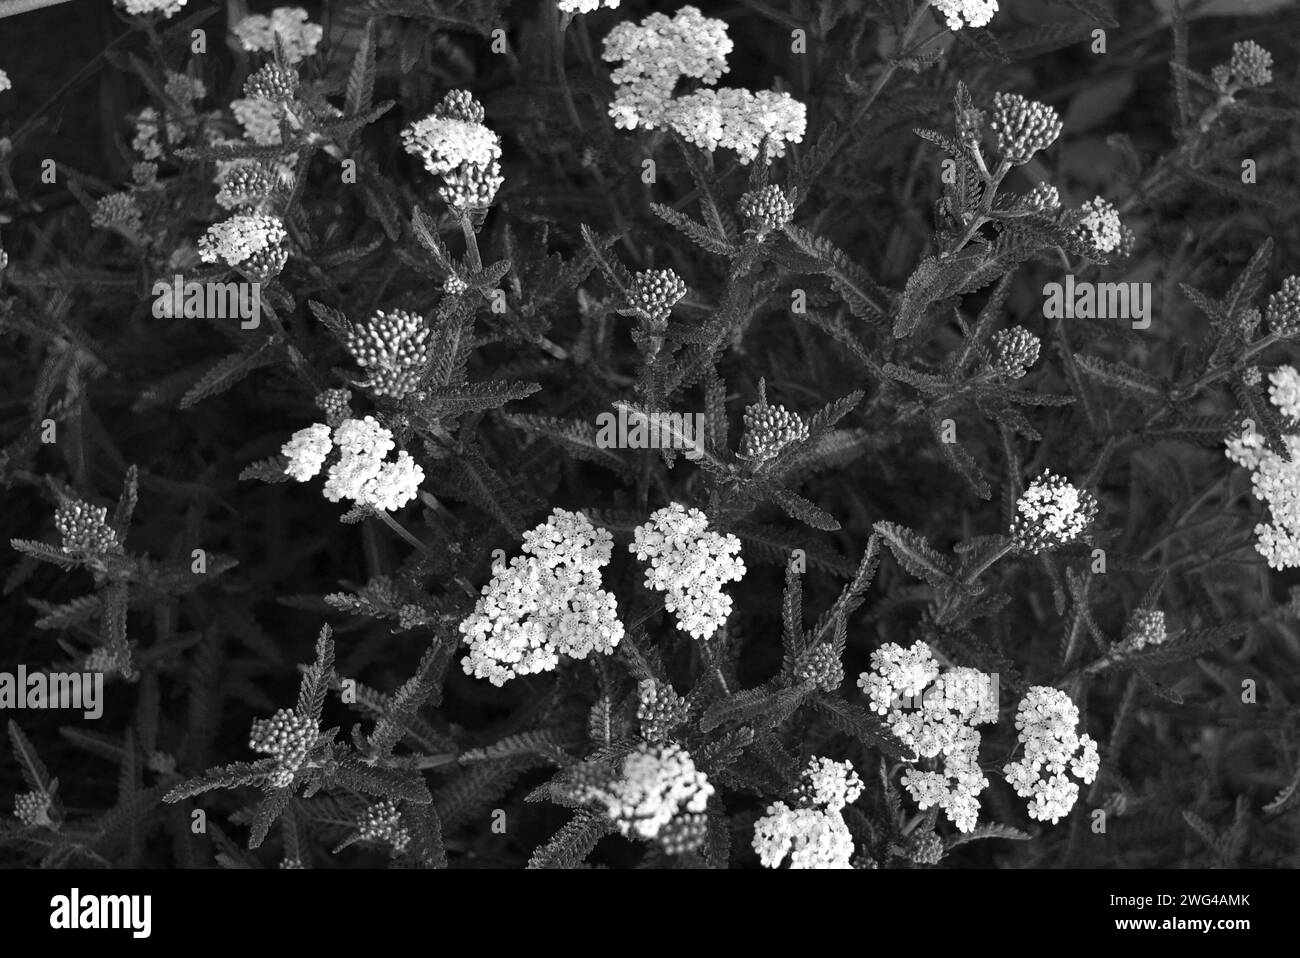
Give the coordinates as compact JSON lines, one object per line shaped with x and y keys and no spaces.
{"x":1189,"y":767}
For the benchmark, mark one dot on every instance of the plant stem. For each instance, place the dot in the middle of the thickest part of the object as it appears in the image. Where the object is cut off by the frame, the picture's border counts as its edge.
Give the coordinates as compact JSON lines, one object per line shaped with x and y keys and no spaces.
{"x":560,"y":22}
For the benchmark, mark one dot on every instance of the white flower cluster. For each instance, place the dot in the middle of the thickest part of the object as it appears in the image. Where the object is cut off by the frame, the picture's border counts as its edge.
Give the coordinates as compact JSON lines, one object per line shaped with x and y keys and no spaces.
{"x":1275,"y":481}
{"x":1101,"y":227}
{"x":446,"y":142}
{"x":146,"y":141}
{"x":236,"y":239}
{"x":1052,"y":512}
{"x":1048,"y":724}
{"x":298,"y":36}
{"x":5,"y":82}
{"x":829,"y":784}
{"x":137,"y":8}
{"x":1284,"y":391}
{"x":655,"y":55}
{"x":739,"y":120}
{"x":362,"y":473}
{"x":966,"y":13}
{"x":813,"y":835}
{"x":586,"y":6}
{"x":307,"y":450}
{"x":657,"y":784}
{"x":812,"y":838}
{"x":260,"y":119}
{"x":659,"y":51}
{"x":935,"y":715}
{"x":545,"y":604}
{"x":690,"y":564}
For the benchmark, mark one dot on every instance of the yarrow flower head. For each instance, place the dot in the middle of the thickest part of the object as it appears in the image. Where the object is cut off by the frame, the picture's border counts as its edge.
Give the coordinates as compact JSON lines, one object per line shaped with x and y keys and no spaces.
{"x":935,"y":715}
{"x":234,"y":240}
{"x":811,"y":838}
{"x":453,"y":143}
{"x":1284,"y":391}
{"x":690,"y":564}
{"x":966,"y":13}
{"x":84,"y":528}
{"x":1251,"y":66}
{"x":118,"y":212}
{"x":382,"y":822}
{"x":1023,"y":127}
{"x":1283,"y":313}
{"x":184,"y":89}
{"x":336,"y":404}
{"x":1051,"y":513}
{"x":769,"y":430}
{"x":586,"y":6}
{"x":307,"y":450}
{"x":656,"y":785}
{"x":260,"y":119}
{"x":363,"y":475}
{"x":249,"y":186}
{"x":272,"y":82}
{"x":1144,"y":627}
{"x":1014,"y":351}
{"x":138,"y":8}
{"x":33,"y":809}
{"x":655,"y":292}
{"x":544,"y":604}
{"x":394,"y":346}
{"x":655,"y":55}
{"x":288,"y":738}
{"x":765,"y":209}
{"x":738,"y":120}
{"x":1048,"y":725}
{"x":1043,"y":198}
{"x":821,"y":665}
{"x":298,"y":36}
{"x":5,"y":82}
{"x":659,"y":709}
{"x":1101,"y":227}
{"x":1275,"y":481}
{"x":829,"y":785}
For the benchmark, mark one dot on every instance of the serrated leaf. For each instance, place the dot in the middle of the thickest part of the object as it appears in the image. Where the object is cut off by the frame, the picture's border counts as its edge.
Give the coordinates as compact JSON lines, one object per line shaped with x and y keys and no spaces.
{"x":915,"y":554}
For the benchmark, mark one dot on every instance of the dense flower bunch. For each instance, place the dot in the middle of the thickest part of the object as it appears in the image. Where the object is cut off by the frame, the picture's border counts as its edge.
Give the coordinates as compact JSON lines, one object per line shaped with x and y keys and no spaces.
{"x":544,"y":604}
{"x":288,"y":738}
{"x":1048,"y":725}
{"x":5,"y":82}
{"x":298,"y":36}
{"x":382,"y":822}
{"x":658,"y":789}
{"x":1023,"y":127}
{"x":659,"y":709}
{"x":966,"y":13}
{"x":33,"y":809}
{"x":394,"y":346}
{"x":659,"y":52}
{"x":1051,"y":513}
{"x":84,"y":528}
{"x":1014,"y":351}
{"x":586,"y":6}
{"x":118,"y":211}
{"x":935,"y":715}
{"x":260,"y":119}
{"x":234,"y":240}
{"x":739,"y":120}
{"x":655,"y":55}
{"x":765,"y":209}
{"x":1144,"y":627}
{"x":1251,"y":66}
{"x":690,"y":564}
{"x":138,"y":8}
{"x":1283,"y":312}
{"x":1275,"y":480}
{"x":362,"y":473}
{"x":453,"y":143}
{"x":1101,"y":227}
{"x":813,"y":834}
